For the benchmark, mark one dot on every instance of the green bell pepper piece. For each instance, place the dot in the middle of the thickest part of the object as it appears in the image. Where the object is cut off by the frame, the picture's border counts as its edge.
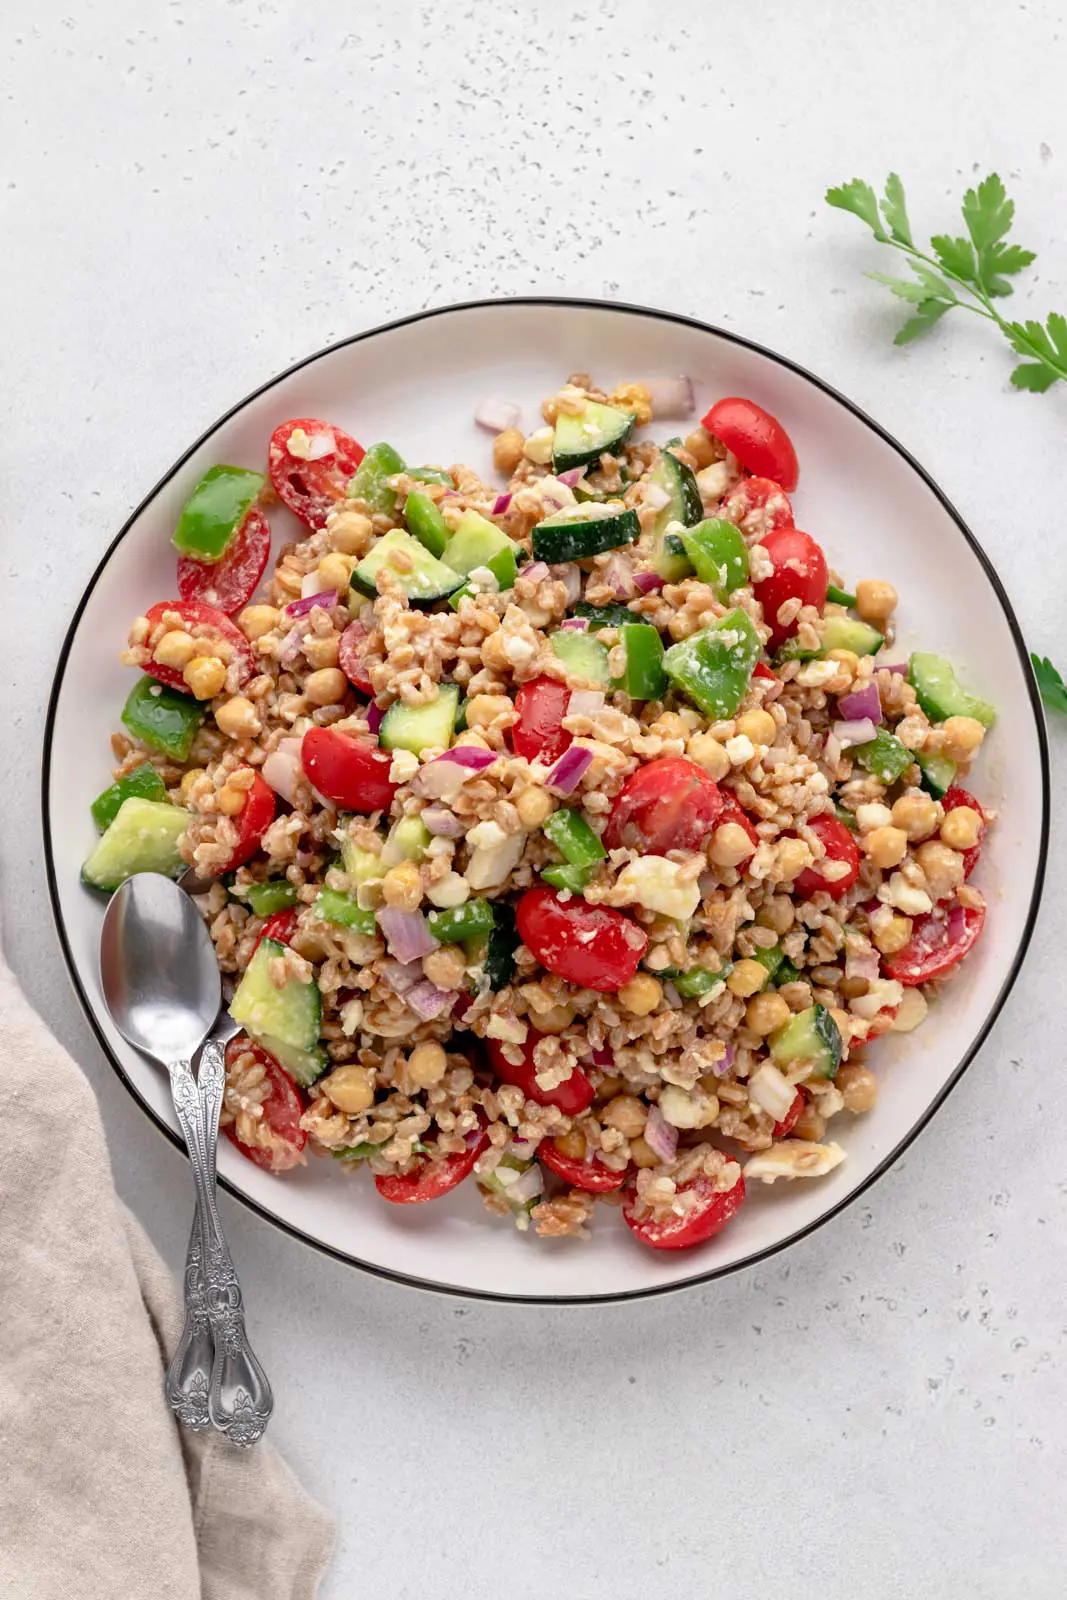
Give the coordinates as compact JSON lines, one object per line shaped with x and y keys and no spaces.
{"x":426,"y":522}
{"x":713,"y":667}
{"x":698,"y":981}
{"x":432,"y":475}
{"x":847,"y":817}
{"x":840,"y":597}
{"x":356,"y":1152}
{"x":143,"y":783}
{"x":644,"y":677}
{"x":505,"y":570}
{"x":215,"y":510}
{"x":718,"y":554}
{"x":787,"y":973}
{"x":162,"y":718}
{"x":370,"y":483}
{"x":567,"y":875}
{"x":472,"y":920}
{"x":574,"y":838}
{"x":884,"y":757}
{"x":344,"y":910}
{"x":277,"y":894}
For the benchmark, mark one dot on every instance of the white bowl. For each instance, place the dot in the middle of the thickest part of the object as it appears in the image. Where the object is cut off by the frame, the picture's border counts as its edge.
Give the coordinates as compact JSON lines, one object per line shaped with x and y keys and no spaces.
{"x":417,"y":383}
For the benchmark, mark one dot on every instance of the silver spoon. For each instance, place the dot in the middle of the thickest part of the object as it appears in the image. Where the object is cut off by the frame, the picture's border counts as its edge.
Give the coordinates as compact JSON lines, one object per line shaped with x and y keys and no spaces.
{"x":162,"y":985}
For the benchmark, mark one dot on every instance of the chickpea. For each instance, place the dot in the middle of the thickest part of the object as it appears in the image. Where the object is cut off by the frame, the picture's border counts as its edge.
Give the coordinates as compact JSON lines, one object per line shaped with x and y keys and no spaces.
{"x":701,"y":448}
{"x":641,"y":995}
{"x":962,"y":738}
{"x":776,"y":913}
{"x":730,"y":844}
{"x":445,"y":967}
{"x":847,"y":660}
{"x":350,"y":533}
{"x":891,"y":936}
{"x":747,"y":977}
{"x":335,"y":571}
{"x":625,"y":1113}
{"x":811,"y":1124}
{"x":858,"y":1087}
{"x":633,"y":397}
{"x":875,"y":600}
{"x":791,"y":857}
{"x":708,"y":753}
{"x":670,"y":725}
{"x":610,"y":1086}
{"x":554,"y":1020}
{"x":324,"y":652}
{"x":962,"y":828}
{"x":255,"y":621}
{"x":886,"y":847}
{"x":326,"y":687}
{"x":534,"y":805}
{"x":912,"y":1010}
{"x":237,"y":718}
{"x":916,"y":814}
{"x":350,"y":1089}
{"x":642,"y":1153}
{"x":507,"y":451}
{"x":231,"y":801}
{"x":571,"y":1144}
{"x":402,"y":886}
{"x":942,"y":868}
{"x":206,"y":676}
{"x":765,"y":1013}
{"x":427,"y":1064}
{"x":176,"y":649}
{"x":484,"y":709}
{"x":188,"y":780}
{"x":759,"y":726}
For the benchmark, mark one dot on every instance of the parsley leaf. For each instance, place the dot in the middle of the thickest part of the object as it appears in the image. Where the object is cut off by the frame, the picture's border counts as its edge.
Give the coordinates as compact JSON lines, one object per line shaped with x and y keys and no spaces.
{"x":956,"y":256}
{"x":859,"y":198}
{"x":916,"y":292}
{"x":929,"y":312}
{"x":895,"y":211}
{"x":988,"y":212}
{"x":1052,"y":687}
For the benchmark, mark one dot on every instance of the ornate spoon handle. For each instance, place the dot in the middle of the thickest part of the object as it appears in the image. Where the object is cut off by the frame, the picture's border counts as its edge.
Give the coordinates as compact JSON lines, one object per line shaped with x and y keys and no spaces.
{"x":188,"y":1380}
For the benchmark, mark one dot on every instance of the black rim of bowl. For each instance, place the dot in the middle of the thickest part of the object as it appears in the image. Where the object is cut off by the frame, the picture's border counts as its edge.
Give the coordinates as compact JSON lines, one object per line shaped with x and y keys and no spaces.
{"x":708,"y":1274}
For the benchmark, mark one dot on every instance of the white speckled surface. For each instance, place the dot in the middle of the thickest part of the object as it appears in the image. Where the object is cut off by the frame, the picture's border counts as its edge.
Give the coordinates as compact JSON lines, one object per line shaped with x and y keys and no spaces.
{"x":193,"y":196}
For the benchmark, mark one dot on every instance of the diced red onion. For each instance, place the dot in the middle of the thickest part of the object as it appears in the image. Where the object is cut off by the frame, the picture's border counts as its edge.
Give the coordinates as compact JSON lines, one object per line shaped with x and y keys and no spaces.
{"x":400,"y":976}
{"x":603,"y":1057}
{"x":672,"y":398}
{"x":442,"y":823}
{"x":862,"y":731}
{"x":428,"y":1001}
{"x":308,"y":602}
{"x":862,"y":964}
{"x":647,"y":582}
{"x":375,"y":716}
{"x":673,"y":998}
{"x":578,"y":624}
{"x":899,"y":667}
{"x":495,"y":416}
{"x":312,"y":583}
{"x":572,"y":476}
{"x":283,"y":769}
{"x":618,"y":577}
{"x":660,"y":1136}
{"x":569,"y":769}
{"x":861,"y":703}
{"x":571,"y":578}
{"x":721,"y":1068}
{"x":500,"y":505}
{"x":557,"y":499}
{"x":656,"y":497}
{"x":536,"y":571}
{"x":468,"y":755}
{"x":289,"y":648}
{"x":407,"y":933}
{"x":444,"y":776}
{"x":585,"y":702}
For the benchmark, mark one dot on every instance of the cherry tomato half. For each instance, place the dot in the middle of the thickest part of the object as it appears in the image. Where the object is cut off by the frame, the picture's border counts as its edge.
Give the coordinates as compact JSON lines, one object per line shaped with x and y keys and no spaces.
{"x":537,"y":734}
{"x":282,"y":1110}
{"x":839,"y":845}
{"x":280,"y":926}
{"x":231,"y":582}
{"x":252,"y":823}
{"x":573,"y":1096}
{"x":709,"y":1214}
{"x":668,"y":804}
{"x":592,"y":1176}
{"x":957,"y":796}
{"x":799,"y":574}
{"x":784,"y":1128}
{"x":757,"y":439}
{"x":350,"y":657}
{"x":937,"y":944}
{"x":756,"y":506}
{"x":431,"y":1179}
{"x":595,"y":947}
{"x":762,"y":670}
{"x":214,"y":624}
{"x":311,"y":489}
{"x":348,"y":771}
{"x":732,"y":812}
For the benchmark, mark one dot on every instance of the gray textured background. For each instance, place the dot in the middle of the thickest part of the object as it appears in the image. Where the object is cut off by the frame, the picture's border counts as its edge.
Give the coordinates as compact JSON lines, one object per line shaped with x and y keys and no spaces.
{"x":196,"y":194}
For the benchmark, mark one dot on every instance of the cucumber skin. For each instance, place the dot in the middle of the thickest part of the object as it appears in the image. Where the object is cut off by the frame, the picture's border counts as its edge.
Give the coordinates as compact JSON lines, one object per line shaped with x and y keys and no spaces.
{"x":578,"y":540}
{"x":940,"y":694}
{"x":247,"y":1006}
{"x":393,"y":734}
{"x":365,"y":578}
{"x":565,"y":457}
{"x":122,"y":850}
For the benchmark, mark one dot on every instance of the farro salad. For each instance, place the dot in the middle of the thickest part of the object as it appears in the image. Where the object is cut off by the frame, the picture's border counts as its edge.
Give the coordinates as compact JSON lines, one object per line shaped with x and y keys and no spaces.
{"x":580,"y":836}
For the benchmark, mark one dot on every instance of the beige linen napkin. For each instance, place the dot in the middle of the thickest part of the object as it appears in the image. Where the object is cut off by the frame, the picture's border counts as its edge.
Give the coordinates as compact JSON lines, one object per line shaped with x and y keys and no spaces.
{"x":101,"y":1495}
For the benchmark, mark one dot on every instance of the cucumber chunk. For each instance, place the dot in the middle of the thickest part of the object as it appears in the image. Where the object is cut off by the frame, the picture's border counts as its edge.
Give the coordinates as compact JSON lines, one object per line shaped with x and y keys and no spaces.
{"x":371,"y":481}
{"x":291,"y":1014}
{"x":571,"y":537}
{"x":417,"y":728}
{"x":941,"y":695}
{"x":582,"y":655}
{"x":142,"y":783}
{"x":611,"y":616}
{"x":142,"y":838}
{"x":884,"y":756}
{"x":303,"y":1066}
{"x":811,"y":1035}
{"x":678,"y":482}
{"x":837,"y":633}
{"x":475,"y":542}
{"x":669,"y":557}
{"x":583,"y":437}
{"x":420,"y":575}
{"x":938,"y":773}
{"x":409,"y":839}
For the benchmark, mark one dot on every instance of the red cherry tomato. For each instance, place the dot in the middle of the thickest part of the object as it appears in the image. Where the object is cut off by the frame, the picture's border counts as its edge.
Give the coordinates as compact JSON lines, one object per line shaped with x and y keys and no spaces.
{"x":431,"y":1179}
{"x":762,"y":670}
{"x":711,"y":1211}
{"x":757,"y":439}
{"x":214,"y":624}
{"x":592,"y":1176}
{"x":280,"y":926}
{"x":784,"y":1128}
{"x":541,"y":706}
{"x":937,"y":944}
{"x":350,"y":656}
{"x":839,"y":845}
{"x":799,"y":574}
{"x":231,"y":582}
{"x":957,"y":796}
{"x":252,"y":823}
{"x":282,"y":1110}
{"x":595,"y":947}
{"x":757,"y":505}
{"x":311,"y":489}
{"x":348,"y":771}
{"x":668,"y":804}
{"x":573,"y":1096}
{"x":732,"y":812}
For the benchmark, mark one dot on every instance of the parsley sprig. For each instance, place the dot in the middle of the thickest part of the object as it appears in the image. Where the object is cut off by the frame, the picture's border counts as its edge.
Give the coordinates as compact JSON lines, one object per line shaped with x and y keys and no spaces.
{"x":971,"y":273}
{"x":1051,"y":685}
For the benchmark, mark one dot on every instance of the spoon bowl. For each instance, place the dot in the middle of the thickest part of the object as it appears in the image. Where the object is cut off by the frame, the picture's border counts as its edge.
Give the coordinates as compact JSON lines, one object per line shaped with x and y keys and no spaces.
{"x":158,"y":968}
